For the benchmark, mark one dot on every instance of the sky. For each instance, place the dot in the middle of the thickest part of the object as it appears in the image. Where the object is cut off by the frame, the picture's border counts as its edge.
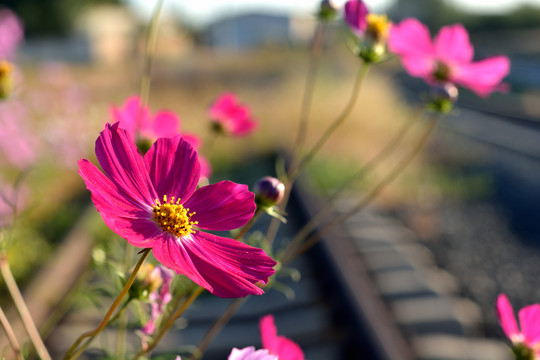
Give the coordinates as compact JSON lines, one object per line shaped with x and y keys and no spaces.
{"x":204,"y":11}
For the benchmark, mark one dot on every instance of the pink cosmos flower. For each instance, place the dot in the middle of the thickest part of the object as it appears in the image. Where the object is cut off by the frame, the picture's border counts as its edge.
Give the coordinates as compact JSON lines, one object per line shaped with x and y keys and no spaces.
{"x":249,"y":353}
{"x":153,"y":202}
{"x":528,"y":338}
{"x":134,"y":116}
{"x":449,"y":58}
{"x":280,"y":346}
{"x":230,"y":117}
{"x":158,"y":297}
{"x":11,"y":34}
{"x":355,"y":16}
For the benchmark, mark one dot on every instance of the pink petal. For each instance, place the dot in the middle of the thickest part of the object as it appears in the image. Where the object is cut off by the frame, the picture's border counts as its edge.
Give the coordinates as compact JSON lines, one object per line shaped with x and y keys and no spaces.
{"x":483,"y":77}
{"x":421,"y":67}
{"x":122,"y":163}
{"x":410,"y":38}
{"x":222,"y":206}
{"x":505,"y":313}
{"x":284,"y":348}
{"x":225,"y":267}
{"x":173,"y":167}
{"x":529,"y":319}
{"x":166,"y":124}
{"x":355,"y":15}
{"x":122,"y":213}
{"x":452,"y":45}
{"x":11,"y":33}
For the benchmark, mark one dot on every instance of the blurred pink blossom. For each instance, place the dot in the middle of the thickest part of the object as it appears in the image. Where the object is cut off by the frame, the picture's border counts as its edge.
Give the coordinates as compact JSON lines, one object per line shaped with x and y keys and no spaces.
{"x":138,"y":120}
{"x":11,"y":33}
{"x":158,"y":297}
{"x":449,"y":58}
{"x":231,"y":117}
{"x":528,"y":337}
{"x":17,"y":144}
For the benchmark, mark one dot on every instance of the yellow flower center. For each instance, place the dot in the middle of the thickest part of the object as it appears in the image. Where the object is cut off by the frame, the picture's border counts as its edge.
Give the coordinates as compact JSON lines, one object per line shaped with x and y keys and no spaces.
{"x":173,"y":217}
{"x":5,"y":68}
{"x":378,"y":26}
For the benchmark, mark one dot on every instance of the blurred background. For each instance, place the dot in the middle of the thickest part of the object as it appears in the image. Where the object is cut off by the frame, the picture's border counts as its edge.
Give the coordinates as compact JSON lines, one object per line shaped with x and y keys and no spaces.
{"x":472,"y":197}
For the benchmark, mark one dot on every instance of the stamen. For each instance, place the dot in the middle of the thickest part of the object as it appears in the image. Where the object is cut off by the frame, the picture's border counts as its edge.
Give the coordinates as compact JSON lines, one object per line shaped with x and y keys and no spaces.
{"x":172,"y":217}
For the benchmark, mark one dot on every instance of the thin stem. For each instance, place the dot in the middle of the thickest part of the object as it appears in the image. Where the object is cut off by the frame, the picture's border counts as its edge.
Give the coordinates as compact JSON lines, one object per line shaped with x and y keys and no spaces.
{"x":314,"y":61}
{"x":366,"y":200}
{"x":20,"y":305}
{"x":250,"y":223}
{"x":337,"y":122}
{"x":216,"y":327}
{"x":170,"y":322}
{"x":113,"y":307}
{"x":296,"y":170}
{"x":361,"y":173}
{"x":149,"y":48}
{"x":10,"y":335}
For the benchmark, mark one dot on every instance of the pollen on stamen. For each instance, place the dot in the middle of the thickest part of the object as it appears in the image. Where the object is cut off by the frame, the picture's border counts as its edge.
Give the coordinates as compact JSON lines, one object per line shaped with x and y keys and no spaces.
{"x":172,"y":217}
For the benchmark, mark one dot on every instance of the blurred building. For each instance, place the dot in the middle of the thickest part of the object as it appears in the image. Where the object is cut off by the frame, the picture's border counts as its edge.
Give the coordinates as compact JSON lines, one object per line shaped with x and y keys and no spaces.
{"x":256,"y":30}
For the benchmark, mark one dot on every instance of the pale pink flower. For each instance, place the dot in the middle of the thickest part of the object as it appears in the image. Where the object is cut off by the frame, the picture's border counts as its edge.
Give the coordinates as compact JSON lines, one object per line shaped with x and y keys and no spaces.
{"x":154,"y":202}
{"x":526,"y":336}
{"x":139,"y":121}
{"x":158,"y":297}
{"x":283,"y":348}
{"x":249,"y":353}
{"x":11,"y":33}
{"x":231,"y":117}
{"x":448,"y":58}
{"x":17,"y":143}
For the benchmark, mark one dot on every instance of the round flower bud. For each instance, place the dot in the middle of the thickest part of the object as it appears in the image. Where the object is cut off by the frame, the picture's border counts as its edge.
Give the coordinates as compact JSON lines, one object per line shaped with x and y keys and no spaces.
{"x":328,"y":10}
{"x":6,"y":79}
{"x":442,"y":97}
{"x":268,"y":191}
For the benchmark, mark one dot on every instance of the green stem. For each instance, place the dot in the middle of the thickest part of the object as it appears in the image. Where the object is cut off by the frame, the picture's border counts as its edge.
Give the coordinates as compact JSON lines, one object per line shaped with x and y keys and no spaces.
{"x":337,"y":122}
{"x":91,"y":334}
{"x":150,"y":45}
{"x":366,"y":200}
{"x":250,"y":223}
{"x":170,"y":322}
{"x":216,"y":327}
{"x":10,"y":335}
{"x":316,"y":51}
{"x":361,"y":173}
{"x":22,"y":309}
{"x":296,"y":170}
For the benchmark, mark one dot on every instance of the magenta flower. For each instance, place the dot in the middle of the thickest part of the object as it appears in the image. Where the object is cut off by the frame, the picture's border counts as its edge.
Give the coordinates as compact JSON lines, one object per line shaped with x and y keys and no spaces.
{"x":356,"y":16}
{"x":449,"y":58}
{"x":153,"y":202}
{"x":280,"y":346}
{"x":230,"y":117}
{"x":526,"y":342}
{"x":249,"y":353}
{"x":138,"y":120}
{"x":11,"y":34}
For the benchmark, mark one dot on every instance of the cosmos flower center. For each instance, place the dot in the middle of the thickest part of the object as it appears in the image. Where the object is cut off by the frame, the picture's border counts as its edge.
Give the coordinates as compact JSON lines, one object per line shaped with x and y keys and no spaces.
{"x":172,"y":217}
{"x":5,"y":68}
{"x":442,"y":72}
{"x":378,"y":26}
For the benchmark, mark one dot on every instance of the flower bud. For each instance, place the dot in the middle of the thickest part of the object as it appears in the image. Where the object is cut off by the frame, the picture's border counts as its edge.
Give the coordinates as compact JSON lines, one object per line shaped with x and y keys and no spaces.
{"x":442,"y":97}
{"x":268,"y":191}
{"x":328,"y":10}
